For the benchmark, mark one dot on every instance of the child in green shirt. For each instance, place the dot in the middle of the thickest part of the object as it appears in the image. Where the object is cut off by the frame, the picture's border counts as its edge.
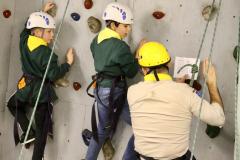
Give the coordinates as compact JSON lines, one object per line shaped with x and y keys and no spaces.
{"x":35,"y":53}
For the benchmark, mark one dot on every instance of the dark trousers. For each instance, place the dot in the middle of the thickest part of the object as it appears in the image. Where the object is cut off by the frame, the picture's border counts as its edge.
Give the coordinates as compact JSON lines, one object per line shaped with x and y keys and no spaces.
{"x":42,"y":121}
{"x":186,"y":156}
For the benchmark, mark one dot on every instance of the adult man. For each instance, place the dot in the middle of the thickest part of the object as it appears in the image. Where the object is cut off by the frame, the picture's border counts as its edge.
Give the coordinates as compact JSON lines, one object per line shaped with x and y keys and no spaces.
{"x":161,"y":109}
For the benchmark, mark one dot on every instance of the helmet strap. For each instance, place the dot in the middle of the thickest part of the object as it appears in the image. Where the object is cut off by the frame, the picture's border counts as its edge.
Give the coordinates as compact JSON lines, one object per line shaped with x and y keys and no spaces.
{"x":154,"y":69}
{"x":140,"y":70}
{"x":43,"y":30}
{"x":155,"y":74}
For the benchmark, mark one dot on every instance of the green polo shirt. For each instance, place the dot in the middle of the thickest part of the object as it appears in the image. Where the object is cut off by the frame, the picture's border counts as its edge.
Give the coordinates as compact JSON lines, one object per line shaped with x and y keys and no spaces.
{"x":112,"y":56}
{"x":34,"y":58}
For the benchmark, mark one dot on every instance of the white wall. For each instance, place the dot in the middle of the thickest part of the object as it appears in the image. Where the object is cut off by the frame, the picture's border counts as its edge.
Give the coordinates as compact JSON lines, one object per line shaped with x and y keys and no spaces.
{"x":72,"y":111}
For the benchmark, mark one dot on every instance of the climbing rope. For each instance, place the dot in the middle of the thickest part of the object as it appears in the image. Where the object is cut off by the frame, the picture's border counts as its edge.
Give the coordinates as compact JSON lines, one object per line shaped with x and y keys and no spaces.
{"x":201,"y":44}
{"x":237,"y":102}
{"x":44,"y":78}
{"x":195,"y":66}
{"x":204,"y":85}
{"x":42,"y":3}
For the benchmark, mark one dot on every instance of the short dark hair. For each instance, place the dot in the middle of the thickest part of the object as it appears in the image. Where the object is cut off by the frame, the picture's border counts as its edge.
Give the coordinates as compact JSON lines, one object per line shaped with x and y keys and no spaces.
{"x":108,"y":23}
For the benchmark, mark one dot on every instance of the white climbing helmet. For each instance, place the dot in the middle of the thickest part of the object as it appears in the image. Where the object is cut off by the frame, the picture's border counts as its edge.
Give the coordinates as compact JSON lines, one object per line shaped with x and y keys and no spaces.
{"x":118,"y":12}
{"x":40,"y":19}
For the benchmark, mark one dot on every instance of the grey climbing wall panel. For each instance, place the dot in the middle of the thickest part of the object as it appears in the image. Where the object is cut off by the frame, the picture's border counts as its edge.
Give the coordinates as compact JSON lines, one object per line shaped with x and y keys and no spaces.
{"x":180,"y":30}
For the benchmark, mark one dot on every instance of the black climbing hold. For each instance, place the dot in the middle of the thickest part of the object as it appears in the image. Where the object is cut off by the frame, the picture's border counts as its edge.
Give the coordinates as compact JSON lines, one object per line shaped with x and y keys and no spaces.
{"x":86,"y":135}
{"x":236,"y":53}
{"x":75,"y":16}
{"x":212,"y":131}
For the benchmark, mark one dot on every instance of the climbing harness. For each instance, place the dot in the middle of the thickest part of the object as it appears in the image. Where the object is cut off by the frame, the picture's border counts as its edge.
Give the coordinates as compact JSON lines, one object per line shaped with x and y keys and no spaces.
{"x":237,"y":100}
{"x":115,"y":105}
{"x":27,"y":80}
{"x":43,"y":80}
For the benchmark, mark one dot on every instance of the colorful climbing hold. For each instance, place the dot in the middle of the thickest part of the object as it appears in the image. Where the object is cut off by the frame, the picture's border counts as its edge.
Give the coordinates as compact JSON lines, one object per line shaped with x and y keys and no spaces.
{"x":62,"y":82}
{"x":158,"y":14}
{"x":209,"y":12}
{"x":7,"y":13}
{"x":212,"y":131}
{"x":94,"y":24}
{"x":88,"y":4}
{"x":76,"y":86}
{"x":75,"y":16}
{"x":108,"y":149}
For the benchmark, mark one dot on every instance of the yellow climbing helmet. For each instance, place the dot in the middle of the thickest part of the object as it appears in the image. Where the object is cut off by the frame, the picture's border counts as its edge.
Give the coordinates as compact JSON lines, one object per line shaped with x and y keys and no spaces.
{"x":153,"y":54}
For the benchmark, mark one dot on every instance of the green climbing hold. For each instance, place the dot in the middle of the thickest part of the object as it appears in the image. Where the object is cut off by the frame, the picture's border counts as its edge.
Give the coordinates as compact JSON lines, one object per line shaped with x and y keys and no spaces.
{"x":236,"y":53}
{"x":108,"y":149}
{"x":212,"y":131}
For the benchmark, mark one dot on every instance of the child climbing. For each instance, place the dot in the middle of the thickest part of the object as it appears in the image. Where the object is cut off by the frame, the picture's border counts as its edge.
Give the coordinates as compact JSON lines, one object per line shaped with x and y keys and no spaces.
{"x":113,"y":62}
{"x":35,"y":53}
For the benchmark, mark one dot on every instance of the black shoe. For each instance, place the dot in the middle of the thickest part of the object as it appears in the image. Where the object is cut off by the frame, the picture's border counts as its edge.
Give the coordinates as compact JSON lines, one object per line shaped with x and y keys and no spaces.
{"x":86,"y":135}
{"x":31,"y":137}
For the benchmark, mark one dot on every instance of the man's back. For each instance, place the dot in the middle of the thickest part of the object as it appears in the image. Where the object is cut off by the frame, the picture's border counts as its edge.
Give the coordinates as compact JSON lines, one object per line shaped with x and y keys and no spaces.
{"x":161,"y":114}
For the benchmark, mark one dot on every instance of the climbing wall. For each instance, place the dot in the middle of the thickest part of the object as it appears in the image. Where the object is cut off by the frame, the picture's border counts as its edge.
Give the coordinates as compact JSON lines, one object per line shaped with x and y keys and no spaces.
{"x":5,"y":39}
{"x":180,"y":28}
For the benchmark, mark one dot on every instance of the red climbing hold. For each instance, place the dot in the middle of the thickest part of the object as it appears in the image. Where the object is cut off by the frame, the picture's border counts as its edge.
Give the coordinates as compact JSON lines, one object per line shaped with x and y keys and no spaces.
{"x":76,"y":86}
{"x":7,"y":13}
{"x":158,"y":14}
{"x":88,"y":4}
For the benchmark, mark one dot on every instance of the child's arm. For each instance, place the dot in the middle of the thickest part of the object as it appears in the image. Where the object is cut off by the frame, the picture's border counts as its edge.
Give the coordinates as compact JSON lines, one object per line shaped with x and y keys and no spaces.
{"x":127,"y":61}
{"x":56,"y":71}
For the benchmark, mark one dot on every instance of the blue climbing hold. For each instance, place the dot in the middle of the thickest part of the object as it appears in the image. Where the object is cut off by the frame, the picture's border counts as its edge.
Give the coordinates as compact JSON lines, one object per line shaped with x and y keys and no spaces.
{"x":75,"y":16}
